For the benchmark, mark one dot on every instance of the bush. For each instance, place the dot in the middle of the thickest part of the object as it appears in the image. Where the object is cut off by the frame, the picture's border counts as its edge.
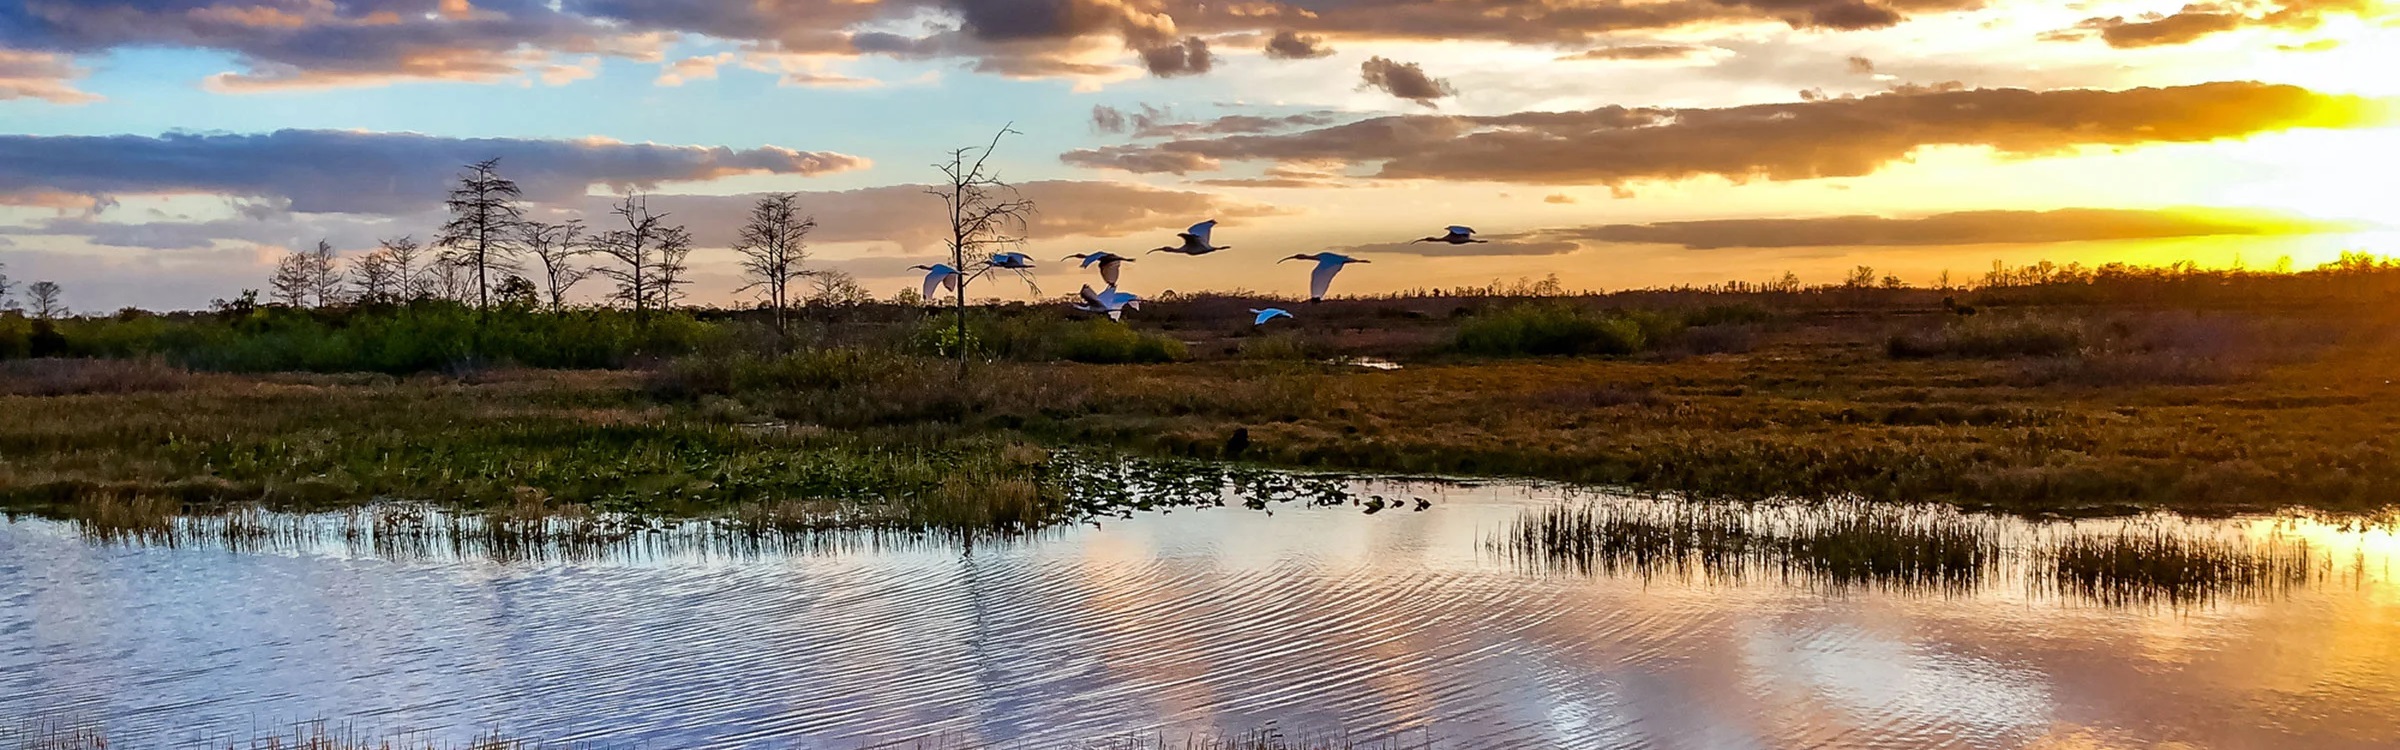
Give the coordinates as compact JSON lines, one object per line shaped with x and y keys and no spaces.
{"x":1741,"y":313}
{"x":1553,"y":328}
{"x":1992,"y":338}
{"x":395,"y":339}
{"x":1102,"y":341}
{"x":1281,"y":346}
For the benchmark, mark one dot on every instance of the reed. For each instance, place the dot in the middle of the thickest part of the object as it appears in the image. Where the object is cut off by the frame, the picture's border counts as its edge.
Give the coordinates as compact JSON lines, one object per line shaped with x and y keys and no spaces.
{"x":1836,"y":546}
{"x":2154,"y":566}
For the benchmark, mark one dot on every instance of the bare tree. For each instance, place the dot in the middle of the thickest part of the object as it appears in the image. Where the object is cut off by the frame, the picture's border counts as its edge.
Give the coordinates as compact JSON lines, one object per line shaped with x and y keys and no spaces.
{"x":377,"y":277}
{"x":774,"y":248}
{"x":635,"y":250}
{"x":674,"y":245}
{"x":294,"y":279}
{"x":45,"y":299}
{"x":325,"y":275}
{"x":836,"y":289}
{"x":409,"y":276}
{"x":449,"y":277}
{"x":985,"y":213}
{"x":7,"y":300}
{"x":483,"y":225}
{"x":556,"y":246}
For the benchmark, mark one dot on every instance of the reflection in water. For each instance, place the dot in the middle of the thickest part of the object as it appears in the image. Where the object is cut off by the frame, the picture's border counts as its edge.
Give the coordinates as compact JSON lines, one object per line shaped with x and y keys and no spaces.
{"x":1319,"y":618}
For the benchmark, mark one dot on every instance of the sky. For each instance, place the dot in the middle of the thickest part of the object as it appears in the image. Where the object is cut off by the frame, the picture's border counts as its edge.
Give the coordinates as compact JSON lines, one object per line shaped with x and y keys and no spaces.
{"x":164,"y":153}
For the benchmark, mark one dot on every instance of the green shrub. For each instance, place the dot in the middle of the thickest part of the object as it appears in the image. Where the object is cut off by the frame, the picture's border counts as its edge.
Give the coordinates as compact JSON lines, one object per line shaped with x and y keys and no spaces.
{"x":1553,"y":328}
{"x":1101,"y":341}
{"x":393,"y":339}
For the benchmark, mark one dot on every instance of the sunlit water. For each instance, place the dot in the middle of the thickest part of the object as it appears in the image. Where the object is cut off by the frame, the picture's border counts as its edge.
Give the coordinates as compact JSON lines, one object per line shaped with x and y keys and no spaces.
{"x":1312,"y":620}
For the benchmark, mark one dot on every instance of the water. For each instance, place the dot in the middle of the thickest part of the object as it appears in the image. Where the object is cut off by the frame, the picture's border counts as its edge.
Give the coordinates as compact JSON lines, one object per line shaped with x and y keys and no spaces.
{"x":1307,"y":619}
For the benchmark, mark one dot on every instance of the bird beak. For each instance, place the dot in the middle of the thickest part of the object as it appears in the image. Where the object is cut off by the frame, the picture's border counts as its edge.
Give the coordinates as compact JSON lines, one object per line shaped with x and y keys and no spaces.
{"x":1362,"y":261}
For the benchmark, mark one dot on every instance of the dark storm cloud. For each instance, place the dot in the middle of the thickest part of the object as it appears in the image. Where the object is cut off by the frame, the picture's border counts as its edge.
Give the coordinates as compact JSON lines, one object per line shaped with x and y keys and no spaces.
{"x":359,"y":172}
{"x":1801,"y":140}
{"x":1292,"y":45}
{"x":1404,"y":80}
{"x":1958,"y":228}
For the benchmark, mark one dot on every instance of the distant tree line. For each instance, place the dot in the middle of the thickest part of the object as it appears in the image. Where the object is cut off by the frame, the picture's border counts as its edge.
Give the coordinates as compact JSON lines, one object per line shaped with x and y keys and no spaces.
{"x":490,"y":253}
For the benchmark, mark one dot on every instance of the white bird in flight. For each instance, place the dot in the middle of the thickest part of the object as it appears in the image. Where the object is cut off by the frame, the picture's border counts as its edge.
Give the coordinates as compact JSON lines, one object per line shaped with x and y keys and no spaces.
{"x":1457,"y":236}
{"x":1110,"y":264}
{"x":939,"y":275}
{"x":1112,"y":302}
{"x":1328,"y":264}
{"x":1195,"y":240}
{"x":1268,"y":314}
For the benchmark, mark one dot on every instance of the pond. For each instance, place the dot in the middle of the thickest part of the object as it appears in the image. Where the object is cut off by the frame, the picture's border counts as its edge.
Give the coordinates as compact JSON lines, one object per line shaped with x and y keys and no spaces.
{"x":1441,"y":626}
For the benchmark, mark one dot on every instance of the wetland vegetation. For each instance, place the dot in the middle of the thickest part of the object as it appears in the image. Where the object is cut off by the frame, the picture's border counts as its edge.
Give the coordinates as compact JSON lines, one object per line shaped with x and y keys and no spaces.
{"x":2066,"y":391}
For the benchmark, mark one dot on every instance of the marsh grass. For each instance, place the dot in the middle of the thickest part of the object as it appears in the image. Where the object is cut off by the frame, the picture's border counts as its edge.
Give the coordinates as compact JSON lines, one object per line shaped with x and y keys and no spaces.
{"x":2157,"y":566}
{"x":1848,"y":545}
{"x":1837,"y":546}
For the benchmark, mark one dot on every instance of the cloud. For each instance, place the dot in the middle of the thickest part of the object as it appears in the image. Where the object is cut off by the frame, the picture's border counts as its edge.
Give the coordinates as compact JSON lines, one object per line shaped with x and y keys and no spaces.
{"x":323,"y":43}
{"x":1957,"y":228}
{"x":1404,"y":80}
{"x":1558,"y":198}
{"x":40,"y":75}
{"x":1184,"y":58}
{"x":693,"y":69}
{"x":1861,"y":66}
{"x":1107,"y":119}
{"x":1159,"y":127}
{"x":363,"y":172}
{"x":1642,"y":52}
{"x":1845,"y":137}
{"x":315,"y":43}
{"x":1498,"y":246}
{"x":2201,"y":20}
{"x":1292,"y":45}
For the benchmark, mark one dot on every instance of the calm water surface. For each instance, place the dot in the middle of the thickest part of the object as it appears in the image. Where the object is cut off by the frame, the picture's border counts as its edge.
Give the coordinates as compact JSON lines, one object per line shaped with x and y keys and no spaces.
{"x":1214,"y":620}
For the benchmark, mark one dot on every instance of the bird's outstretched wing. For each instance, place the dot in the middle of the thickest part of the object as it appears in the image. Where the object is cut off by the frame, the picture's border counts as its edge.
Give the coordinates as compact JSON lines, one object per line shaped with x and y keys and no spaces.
{"x":1109,"y":270}
{"x":933,"y":280}
{"x":1322,"y":278}
{"x":1461,"y":230}
{"x":1200,"y":231}
{"x":1090,"y":297}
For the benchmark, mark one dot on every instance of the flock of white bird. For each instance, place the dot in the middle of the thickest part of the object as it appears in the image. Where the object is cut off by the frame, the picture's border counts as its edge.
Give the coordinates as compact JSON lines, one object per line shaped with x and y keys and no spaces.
{"x":1196,"y":241}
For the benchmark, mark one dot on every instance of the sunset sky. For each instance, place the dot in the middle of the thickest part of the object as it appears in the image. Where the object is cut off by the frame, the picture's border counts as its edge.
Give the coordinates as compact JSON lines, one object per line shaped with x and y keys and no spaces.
{"x":164,"y":153}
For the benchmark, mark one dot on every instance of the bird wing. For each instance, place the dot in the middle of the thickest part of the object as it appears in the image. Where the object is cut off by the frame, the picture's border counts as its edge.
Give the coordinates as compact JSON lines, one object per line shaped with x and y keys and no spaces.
{"x":1109,"y":270}
{"x":950,"y":281}
{"x":1462,"y":230}
{"x":1267,"y":315}
{"x":1200,"y":231}
{"x":1322,"y":278}
{"x":933,"y":279}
